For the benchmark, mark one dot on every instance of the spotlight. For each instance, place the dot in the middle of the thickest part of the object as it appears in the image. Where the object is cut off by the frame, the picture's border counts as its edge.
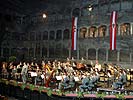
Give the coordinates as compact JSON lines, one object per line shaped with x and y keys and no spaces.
{"x":90,"y":8}
{"x":44,"y":15}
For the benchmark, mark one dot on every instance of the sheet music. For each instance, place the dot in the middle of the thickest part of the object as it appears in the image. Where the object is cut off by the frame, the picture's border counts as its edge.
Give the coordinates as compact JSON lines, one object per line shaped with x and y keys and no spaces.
{"x":33,"y":74}
{"x":58,"y":77}
{"x":76,"y":79}
{"x":42,"y":76}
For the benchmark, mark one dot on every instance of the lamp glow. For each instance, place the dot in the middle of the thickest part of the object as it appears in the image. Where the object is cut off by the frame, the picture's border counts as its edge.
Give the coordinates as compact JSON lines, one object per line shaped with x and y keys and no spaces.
{"x":44,"y":15}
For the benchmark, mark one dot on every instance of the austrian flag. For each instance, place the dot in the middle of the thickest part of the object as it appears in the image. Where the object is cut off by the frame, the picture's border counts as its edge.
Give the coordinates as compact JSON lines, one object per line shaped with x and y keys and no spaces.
{"x":113,"y":29}
{"x":74,"y":33}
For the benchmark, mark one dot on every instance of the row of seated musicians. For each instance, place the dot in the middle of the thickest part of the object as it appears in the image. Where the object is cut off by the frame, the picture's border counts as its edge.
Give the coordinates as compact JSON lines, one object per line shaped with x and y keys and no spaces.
{"x":85,"y":82}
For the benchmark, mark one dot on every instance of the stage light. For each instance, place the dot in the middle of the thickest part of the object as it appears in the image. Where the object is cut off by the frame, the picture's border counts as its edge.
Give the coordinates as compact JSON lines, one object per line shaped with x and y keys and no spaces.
{"x":90,"y":8}
{"x":44,"y":15}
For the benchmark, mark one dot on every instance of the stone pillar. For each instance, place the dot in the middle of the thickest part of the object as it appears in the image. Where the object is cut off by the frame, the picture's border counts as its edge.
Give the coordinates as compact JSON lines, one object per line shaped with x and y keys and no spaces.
{"x":78,"y":53}
{"x":118,"y":29}
{"x":131,"y":27}
{"x":107,"y":55}
{"x":96,"y":54}
{"x":87,"y":53}
{"x":55,"y":35}
{"x":107,"y":32}
{"x":70,"y":52}
{"x":118,"y":55}
{"x":41,"y":51}
{"x":48,"y":51}
{"x":130,"y":57}
{"x":48,"y":35}
{"x":34,"y":52}
{"x":62,"y":35}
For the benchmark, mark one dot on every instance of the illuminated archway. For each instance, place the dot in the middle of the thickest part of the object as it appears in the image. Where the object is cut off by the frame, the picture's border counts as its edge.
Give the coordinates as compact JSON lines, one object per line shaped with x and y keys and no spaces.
{"x":102,"y":31}
{"x":83,"y":32}
{"x":125,"y":29}
{"x":93,"y":31}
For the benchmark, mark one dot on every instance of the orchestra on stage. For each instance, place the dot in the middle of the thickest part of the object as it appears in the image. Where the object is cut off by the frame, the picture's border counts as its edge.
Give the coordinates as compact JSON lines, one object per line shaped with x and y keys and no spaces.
{"x":69,"y":75}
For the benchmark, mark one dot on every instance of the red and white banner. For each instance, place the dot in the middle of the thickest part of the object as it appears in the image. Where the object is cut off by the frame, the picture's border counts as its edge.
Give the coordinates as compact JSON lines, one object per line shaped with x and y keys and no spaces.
{"x":74,"y":32}
{"x":113,"y":30}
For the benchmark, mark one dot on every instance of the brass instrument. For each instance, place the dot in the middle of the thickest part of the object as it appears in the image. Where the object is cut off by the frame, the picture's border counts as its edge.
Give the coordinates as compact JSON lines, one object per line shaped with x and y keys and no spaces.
{"x":48,"y":68}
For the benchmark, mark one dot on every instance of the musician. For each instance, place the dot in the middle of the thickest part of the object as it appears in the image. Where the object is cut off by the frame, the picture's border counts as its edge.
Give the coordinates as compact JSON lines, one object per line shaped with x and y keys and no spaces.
{"x":110,"y":78}
{"x":82,"y":60}
{"x":34,"y":73}
{"x":93,"y":81}
{"x":98,"y":66}
{"x":64,"y":82}
{"x":24,"y":72}
{"x":38,"y":77}
{"x":71,"y":80}
{"x":54,"y":65}
{"x":14,"y":72}
{"x":73,"y":60}
{"x":59,"y":67}
{"x":68,"y":60}
{"x":4,"y":70}
{"x":121,"y":81}
{"x":49,"y":63}
{"x":9,"y":69}
{"x":85,"y":83}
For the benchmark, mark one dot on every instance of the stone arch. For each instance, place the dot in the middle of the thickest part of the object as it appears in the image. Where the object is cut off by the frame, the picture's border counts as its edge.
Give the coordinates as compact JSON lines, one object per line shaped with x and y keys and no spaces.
{"x":59,"y":34}
{"x":51,"y":35}
{"x":45,"y":35}
{"x":74,"y":54}
{"x":83,"y":32}
{"x":31,"y":52}
{"x":38,"y":36}
{"x":102,"y":30}
{"x":125,"y":29}
{"x":92,"y":32}
{"x":37,"y":51}
{"x":65,"y":53}
{"x":58,"y":50}
{"x":92,"y":54}
{"x":51,"y":52}
{"x":66,"y":34}
{"x":82,"y":53}
{"x":44,"y":52}
{"x":32,"y":36}
{"x":112,"y":55}
{"x":124,"y":56}
{"x":102,"y":54}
